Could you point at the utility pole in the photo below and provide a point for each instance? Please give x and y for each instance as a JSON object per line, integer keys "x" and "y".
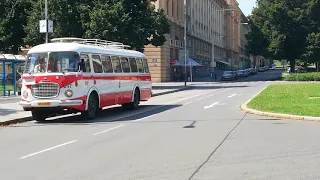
{"x": 185, "y": 42}
{"x": 46, "y": 18}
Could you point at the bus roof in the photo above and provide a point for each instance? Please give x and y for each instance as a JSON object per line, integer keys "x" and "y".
{"x": 76, "y": 47}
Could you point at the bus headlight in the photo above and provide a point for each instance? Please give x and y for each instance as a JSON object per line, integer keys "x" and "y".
{"x": 68, "y": 93}
{"x": 25, "y": 94}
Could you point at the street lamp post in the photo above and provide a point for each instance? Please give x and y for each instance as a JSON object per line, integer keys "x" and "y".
{"x": 185, "y": 42}
{"x": 46, "y": 18}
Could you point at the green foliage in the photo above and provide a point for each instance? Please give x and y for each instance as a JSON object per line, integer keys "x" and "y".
{"x": 312, "y": 53}
{"x": 13, "y": 15}
{"x": 315, "y": 76}
{"x": 134, "y": 22}
{"x": 290, "y": 27}
{"x": 65, "y": 16}
{"x": 256, "y": 42}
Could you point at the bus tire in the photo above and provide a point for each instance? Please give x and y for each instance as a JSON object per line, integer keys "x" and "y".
{"x": 93, "y": 107}
{"x": 38, "y": 115}
{"x": 136, "y": 101}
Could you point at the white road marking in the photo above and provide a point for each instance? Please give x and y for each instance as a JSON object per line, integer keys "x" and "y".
{"x": 209, "y": 95}
{"x": 232, "y": 95}
{"x": 210, "y": 106}
{"x": 49, "y": 149}
{"x": 160, "y": 106}
{"x": 144, "y": 118}
{"x": 188, "y": 103}
{"x": 107, "y": 130}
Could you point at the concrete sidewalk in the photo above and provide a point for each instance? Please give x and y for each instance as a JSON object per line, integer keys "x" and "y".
{"x": 11, "y": 112}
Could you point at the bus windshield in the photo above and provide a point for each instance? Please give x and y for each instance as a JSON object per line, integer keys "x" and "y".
{"x": 36, "y": 63}
{"x": 63, "y": 62}
{"x": 55, "y": 62}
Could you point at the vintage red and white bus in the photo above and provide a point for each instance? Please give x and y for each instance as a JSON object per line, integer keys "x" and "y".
{"x": 72, "y": 75}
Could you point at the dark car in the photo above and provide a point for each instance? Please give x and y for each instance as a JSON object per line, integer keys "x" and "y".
{"x": 253, "y": 71}
{"x": 247, "y": 72}
{"x": 262, "y": 69}
{"x": 241, "y": 73}
{"x": 229, "y": 75}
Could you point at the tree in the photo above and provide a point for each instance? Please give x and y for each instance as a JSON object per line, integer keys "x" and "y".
{"x": 312, "y": 53}
{"x": 257, "y": 43}
{"x": 282, "y": 23}
{"x": 132, "y": 22}
{"x": 13, "y": 15}
{"x": 66, "y": 19}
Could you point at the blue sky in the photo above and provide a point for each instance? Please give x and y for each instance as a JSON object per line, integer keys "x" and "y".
{"x": 246, "y": 6}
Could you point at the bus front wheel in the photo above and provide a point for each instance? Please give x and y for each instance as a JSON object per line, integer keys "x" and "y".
{"x": 93, "y": 107}
{"x": 38, "y": 115}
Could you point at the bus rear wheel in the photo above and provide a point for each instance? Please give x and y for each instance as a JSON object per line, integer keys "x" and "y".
{"x": 135, "y": 104}
{"x": 38, "y": 115}
{"x": 93, "y": 107}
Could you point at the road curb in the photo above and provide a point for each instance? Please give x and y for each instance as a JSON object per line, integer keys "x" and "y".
{"x": 245, "y": 109}
{"x": 173, "y": 91}
{"x": 15, "y": 121}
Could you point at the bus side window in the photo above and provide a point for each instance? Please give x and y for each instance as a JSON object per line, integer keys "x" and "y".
{"x": 125, "y": 64}
{"x": 145, "y": 65}
{"x": 85, "y": 63}
{"x": 133, "y": 65}
{"x": 116, "y": 64}
{"x": 97, "y": 65}
{"x": 107, "y": 64}
{"x": 139, "y": 65}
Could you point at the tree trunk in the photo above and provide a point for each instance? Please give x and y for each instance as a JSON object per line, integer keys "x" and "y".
{"x": 293, "y": 66}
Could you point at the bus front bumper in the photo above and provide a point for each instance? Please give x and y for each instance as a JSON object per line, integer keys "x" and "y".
{"x": 50, "y": 103}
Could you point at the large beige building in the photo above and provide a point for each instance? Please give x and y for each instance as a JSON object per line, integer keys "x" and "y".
{"x": 159, "y": 57}
{"x": 215, "y": 37}
{"x": 205, "y": 26}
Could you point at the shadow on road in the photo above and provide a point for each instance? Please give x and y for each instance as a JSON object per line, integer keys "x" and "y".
{"x": 115, "y": 114}
{"x": 5, "y": 112}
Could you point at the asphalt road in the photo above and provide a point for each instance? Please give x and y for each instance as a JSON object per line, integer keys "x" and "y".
{"x": 194, "y": 134}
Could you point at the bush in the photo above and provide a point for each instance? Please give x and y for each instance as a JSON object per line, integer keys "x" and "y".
{"x": 315, "y": 76}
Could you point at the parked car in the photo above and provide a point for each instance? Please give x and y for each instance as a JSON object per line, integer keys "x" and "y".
{"x": 298, "y": 69}
{"x": 253, "y": 71}
{"x": 229, "y": 75}
{"x": 262, "y": 69}
{"x": 247, "y": 72}
{"x": 241, "y": 73}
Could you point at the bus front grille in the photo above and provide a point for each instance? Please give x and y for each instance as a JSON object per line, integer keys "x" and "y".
{"x": 45, "y": 90}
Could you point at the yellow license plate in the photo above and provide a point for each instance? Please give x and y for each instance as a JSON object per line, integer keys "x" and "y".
{"x": 44, "y": 104}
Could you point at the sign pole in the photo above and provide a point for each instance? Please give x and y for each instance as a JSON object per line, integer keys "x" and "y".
{"x": 46, "y": 18}
{"x": 185, "y": 42}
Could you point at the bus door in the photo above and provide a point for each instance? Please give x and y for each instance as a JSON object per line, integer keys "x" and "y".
{"x": 116, "y": 81}
{"x": 85, "y": 67}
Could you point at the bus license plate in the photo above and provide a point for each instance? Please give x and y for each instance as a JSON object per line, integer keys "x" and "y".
{"x": 44, "y": 104}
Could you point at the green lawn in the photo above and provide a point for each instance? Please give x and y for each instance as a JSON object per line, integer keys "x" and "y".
{"x": 9, "y": 87}
{"x": 298, "y": 99}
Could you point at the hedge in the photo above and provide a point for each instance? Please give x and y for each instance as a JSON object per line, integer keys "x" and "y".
{"x": 315, "y": 76}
